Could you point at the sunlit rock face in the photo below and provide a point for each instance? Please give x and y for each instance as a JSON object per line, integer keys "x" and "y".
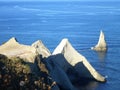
{"x": 41, "y": 49}
{"x": 13, "y": 49}
{"x": 65, "y": 59}
{"x": 72, "y": 59}
{"x": 101, "y": 45}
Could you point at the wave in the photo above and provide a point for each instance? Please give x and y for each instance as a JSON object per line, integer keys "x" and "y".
{"x": 101, "y": 10}
{"x": 9, "y": 19}
{"x": 54, "y": 12}
{"x": 98, "y": 7}
{"x": 24, "y": 8}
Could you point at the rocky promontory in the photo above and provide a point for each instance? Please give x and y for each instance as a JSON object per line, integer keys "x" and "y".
{"x": 34, "y": 67}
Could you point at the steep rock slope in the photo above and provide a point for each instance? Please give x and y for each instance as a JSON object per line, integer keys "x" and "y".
{"x": 73, "y": 59}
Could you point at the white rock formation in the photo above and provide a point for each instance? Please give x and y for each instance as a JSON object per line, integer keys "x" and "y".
{"x": 101, "y": 45}
{"x": 41, "y": 48}
{"x": 13, "y": 49}
{"x": 75, "y": 60}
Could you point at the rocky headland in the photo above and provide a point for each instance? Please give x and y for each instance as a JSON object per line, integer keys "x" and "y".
{"x": 26, "y": 67}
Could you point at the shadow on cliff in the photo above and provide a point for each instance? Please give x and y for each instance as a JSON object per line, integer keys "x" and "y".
{"x": 82, "y": 79}
{"x": 38, "y": 65}
{"x": 15, "y": 74}
{"x": 80, "y": 76}
{"x": 74, "y": 76}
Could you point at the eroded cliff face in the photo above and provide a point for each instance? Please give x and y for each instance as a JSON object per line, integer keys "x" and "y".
{"x": 75, "y": 60}
{"x": 15, "y": 74}
{"x": 28, "y": 62}
{"x": 65, "y": 59}
{"x": 101, "y": 45}
{"x": 58, "y": 74}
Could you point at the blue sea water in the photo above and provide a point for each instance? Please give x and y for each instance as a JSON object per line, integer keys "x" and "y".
{"x": 80, "y": 22}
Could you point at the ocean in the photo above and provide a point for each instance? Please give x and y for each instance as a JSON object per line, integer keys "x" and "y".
{"x": 80, "y": 22}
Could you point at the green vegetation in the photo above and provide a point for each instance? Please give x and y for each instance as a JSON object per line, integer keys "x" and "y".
{"x": 15, "y": 73}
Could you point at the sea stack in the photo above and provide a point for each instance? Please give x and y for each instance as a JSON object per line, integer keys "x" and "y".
{"x": 76, "y": 61}
{"x": 101, "y": 45}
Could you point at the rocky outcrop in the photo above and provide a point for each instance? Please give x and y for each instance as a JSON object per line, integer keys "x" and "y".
{"x": 64, "y": 60}
{"x": 58, "y": 74}
{"x": 41, "y": 49}
{"x": 33, "y": 56}
{"x": 101, "y": 45}
{"x": 13, "y": 49}
{"x": 15, "y": 74}
{"x": 73, "y": 59}
{"x": 30, "y": 54}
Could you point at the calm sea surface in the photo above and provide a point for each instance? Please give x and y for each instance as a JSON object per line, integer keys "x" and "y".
{"x": 80, "y": 22}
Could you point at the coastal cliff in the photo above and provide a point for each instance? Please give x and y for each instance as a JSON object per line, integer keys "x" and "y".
{"x": 75, "y": 60}
{"x": 13, "y": 49}
{"x": 52, "y": 71}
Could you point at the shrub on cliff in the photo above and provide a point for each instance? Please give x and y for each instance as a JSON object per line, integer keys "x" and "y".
{"x": 16, "y": 74}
